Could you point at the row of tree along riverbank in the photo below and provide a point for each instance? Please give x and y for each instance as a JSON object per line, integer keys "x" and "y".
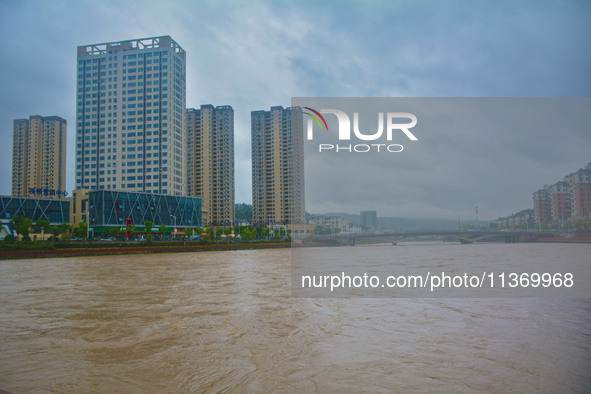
{"x": 10, "y": 250}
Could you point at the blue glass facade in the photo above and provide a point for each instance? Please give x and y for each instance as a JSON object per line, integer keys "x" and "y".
{"x": 55, "y": 211}
{"x": 111, "y": 208}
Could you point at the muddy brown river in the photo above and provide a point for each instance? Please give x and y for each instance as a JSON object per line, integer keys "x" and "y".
{"x": 226, "y": 321}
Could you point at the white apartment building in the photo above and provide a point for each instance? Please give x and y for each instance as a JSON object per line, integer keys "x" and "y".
{"x": 130, "y": 116}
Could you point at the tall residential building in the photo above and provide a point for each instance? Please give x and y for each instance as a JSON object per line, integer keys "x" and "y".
{"x": 130, "y": 116}
{"x": 565, "y": 201}
{"x": 277, "y": 166}
{"x": 560, "y": 202}
{"x": 369, "y": 219}
{"x": 39, "y": 157}
{"x": 210, "y": 161}
{"x": 542, "y": 206}
{"x": 580, "y": 182}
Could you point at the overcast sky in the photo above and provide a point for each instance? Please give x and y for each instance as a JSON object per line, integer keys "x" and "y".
{"x": 486, "y": 152}
{"x": 253, "y": 55}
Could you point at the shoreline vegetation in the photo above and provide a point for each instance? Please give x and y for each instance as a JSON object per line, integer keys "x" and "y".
{"x": 26, "y": 250}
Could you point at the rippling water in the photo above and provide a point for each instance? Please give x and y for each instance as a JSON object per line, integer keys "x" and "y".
{"x": 226, "y": 321}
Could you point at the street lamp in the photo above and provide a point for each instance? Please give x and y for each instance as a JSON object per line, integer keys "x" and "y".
{"x": 173, "y": 224}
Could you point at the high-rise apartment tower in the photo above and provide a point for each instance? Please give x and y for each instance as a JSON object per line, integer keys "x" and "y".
{"x": 130, "y": 116}
{"x": 39, "y": 157}
{"x": 277, "y": 167}
{"x": 210, "y": 161}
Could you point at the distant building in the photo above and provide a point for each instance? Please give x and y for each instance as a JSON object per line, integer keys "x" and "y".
{"x": 524, "y": 218}
{"x": 560, "y": 202}
{"x": 542, "y": 209}
{"x": 341, "y": 224}
{"x": 39, "y": 157}
{"x": 210, "y": 161}
{"x": 565, "y": 201}
{"x": 580, "y": 185}
{"x": 278, "y": 166}
{"x": 369, "y": 219}
{"x": 130, "y": 107}
{"x": 300, "y": 232}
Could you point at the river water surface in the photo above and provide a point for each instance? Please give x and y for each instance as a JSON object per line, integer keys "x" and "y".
{"x": 226, "y": 321}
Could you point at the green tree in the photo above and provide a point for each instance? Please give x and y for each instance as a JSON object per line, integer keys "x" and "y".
{"x": 247, "y": 234}
{"x": 162, "y": 230}
{"x": 262, "y": 232}
{"x": 82, "y": 230}
{"x": 243, "y": 211}
{"x": 43, "y": 226}
{"x": 278, "y": 234}
{"x": 149, "y": 226}
{"x": 66, "y": 231}
{"x": 199, "y": 231}
{"x": 188, "y": 232}
{"x": 25, "y": 229}
{"x": 110, "y": 232}
{"x": 55, "y": 231}
{"x": 15, "y": 224}
{"x": 131, "y": 230}
{"x": 9, "y": 238}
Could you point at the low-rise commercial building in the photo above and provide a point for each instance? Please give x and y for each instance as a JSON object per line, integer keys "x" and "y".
{"x": 111, "y": 208}
{"x": 54, "y": 211}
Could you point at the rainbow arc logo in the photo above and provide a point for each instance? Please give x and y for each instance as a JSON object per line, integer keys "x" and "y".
{"x": 388, "y": 123}
{"x": 316, "y": 118}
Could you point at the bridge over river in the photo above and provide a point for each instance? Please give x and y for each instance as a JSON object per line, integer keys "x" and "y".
{"x": 462, "y": 236}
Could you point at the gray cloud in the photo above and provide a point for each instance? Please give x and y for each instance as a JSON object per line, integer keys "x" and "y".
{"x": 487, "y": 152}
